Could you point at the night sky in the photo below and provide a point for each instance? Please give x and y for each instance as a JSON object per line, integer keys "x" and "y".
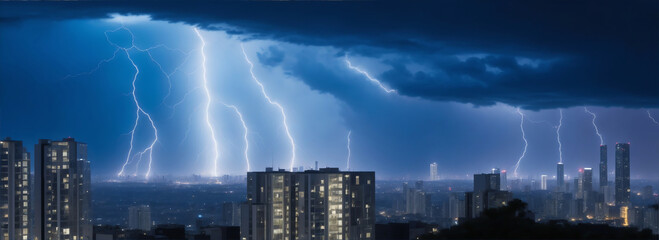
{"x": 452, "y": 75}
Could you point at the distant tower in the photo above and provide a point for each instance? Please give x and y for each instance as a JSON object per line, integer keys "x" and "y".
{"x": 433, "y": 172}
{"x": 560, "y": 177}
{"x": 579, "y": 184}
{"x": 504, "y": 180}
{"x": 604, "y": 179}
{"x": 623, "y": 190}
{"x": 543, "y": 182}
{"x": 587, "y": 180}
{"x": 604, "y": 174}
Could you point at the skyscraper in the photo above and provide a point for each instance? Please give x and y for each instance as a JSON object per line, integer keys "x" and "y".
{"x": 139, "y": 217}
{"x": 433, "y": 172}
{"x": 605, "y": 189}
{"x": 586, "y": 190}
{"x": 587, "y": 180}
{"x": 604, "y": 176}
{"x": 62, "y": 191}
{"x": 504, "y": 180}
{"x": 322, "y": 204}
{"x": 15, "y": 195}
{"x": 560, "y": 177}
{"x": 623, "y": 190}
{"x": 543, "y": 182}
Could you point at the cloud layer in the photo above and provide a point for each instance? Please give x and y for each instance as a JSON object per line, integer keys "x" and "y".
{"x": 537, "y": 55}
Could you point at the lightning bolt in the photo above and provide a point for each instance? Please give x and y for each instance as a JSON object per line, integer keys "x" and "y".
{"x": 245, "y": 131}
{"x": 185, "y": 96}
{"x": 130, "y": 157}
{"x": 139, "y": 110}
{"x": 349, "y": 152}
{"x": 652, "y": 118}
{"x": 595, "y": 125}
{"x": 526, "y": 143}
{"x": 368, "y": 76}
{"x": 276, "y": 104}
{"x": 216, "y": 152}
{"x": 98, "y": 66}
{"x": 558, "y": 136}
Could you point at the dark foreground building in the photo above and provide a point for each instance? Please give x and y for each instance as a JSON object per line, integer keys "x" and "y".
{"x": 62, "y": 191}
{"x": 314, "y": 204}
{"x": 15, "y": 196}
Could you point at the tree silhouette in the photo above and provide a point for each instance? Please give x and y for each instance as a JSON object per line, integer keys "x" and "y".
{"x": 514, "y": 221}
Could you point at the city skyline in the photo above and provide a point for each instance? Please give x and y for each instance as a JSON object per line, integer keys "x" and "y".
{"x": 330, "y": 120}
{"x": 190, "y": 68}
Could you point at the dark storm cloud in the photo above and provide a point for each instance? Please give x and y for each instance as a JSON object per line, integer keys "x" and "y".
{"x": 557, "y": 83}
{"x": 271, "y": 56}
{"x": 577, "y": 52}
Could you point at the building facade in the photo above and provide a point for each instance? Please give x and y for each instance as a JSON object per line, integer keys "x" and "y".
{"x": 231, "y": 213}
{"x": 623, "y": 190}
{"x": 433, "y": 172}
{"x": 604, "y": 187}
{"x": 15, "y": 195}
{"x": 417, "y": 201}
{"x": 560, "y": 177}
{"x": 504, "y": 180}
{"x": 486, "y": 182}
{"x": 62, "y": 191}
{"x": 604, "y": 175}
{"x": 139, "y": 217}
{"x": 322, "y": 204}
{"x": 486, "y": 195}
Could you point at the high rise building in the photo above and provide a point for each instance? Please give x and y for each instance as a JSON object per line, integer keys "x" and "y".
{"x": 560, "y": 177}
{"x": 543, "y": 182}
{"x": 604, "y": 176}
{"x": 486, "y": 181}
{"x": 322, "y": 204}
{"x": 487, "y": 194}
{"x": 433, "y": 172}
{"x": 504, "y": 180}
{"x": 623, "y": 190}
{"x": 62, "y": 208}
{"x": 605, "y": 189}
{"x": 139, "y": 217}
{"x": 231, "y": 213}
{"x": 416, "y": 200}
{"x": 586, "y": 190}
{"x": 456, "y": 204}
{"x": 15, "y": 195}
{"x": 587, "y": 180}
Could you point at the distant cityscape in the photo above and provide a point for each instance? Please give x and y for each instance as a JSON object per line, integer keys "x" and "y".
{"x": 57, "y": 200}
